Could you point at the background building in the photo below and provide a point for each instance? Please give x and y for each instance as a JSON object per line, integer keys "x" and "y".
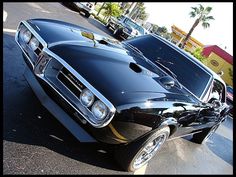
{"x": 178, "y": 36}
{"x": 219, "y": 60}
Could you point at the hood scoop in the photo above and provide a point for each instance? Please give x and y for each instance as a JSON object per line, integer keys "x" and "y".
{"x": 136, "y": 68}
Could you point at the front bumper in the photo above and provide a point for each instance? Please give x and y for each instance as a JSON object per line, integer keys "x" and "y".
{"x": 56, "y": 110}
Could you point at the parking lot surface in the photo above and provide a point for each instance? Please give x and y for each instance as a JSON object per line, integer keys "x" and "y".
{"x": 34, "y": 142}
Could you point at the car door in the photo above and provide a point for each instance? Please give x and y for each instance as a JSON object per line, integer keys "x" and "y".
{"x": 206, "y": 114}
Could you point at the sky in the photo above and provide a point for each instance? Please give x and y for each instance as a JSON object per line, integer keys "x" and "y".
{"x": 219, "y": 33}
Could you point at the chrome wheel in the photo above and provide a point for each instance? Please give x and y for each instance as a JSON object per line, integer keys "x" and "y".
{"x": 115, "y": 31}
{"x": 148, "y": 151}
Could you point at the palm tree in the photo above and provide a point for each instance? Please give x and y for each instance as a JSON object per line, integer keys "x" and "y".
{"x": 112, "y": 9}
{"x": 102, "y": 7}
{"x": 201, "y": 14}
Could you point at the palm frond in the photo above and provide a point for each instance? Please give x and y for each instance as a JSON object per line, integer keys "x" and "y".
{"x": 208, "y": 9}
{"x": 194, "y": 8}
{"x": 192, "y": 14}
{"x": 210, "y": 18}
{"x": 201, "y": 8}
{"x": 205, "y": 25}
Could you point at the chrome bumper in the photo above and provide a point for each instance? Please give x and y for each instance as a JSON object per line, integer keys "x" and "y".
{"x": 56, "y": 110}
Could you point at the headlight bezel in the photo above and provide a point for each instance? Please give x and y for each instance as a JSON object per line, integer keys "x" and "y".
{"x": 91, "y": 102}
{"x": 94, "y": 113}
{"x": 34, "y": 39}
{"x": 23, "y": 36}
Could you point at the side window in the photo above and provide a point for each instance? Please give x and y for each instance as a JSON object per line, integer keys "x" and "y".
{"x": 120, "y": 18}
{"x": 217, "y": 91}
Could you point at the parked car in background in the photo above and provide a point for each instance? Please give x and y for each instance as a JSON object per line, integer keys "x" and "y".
{"x": 125, "y": 27}
{"x": 229, "y": 99}
{"x": 85, "y": 7}
{"x": 133, "y": 95}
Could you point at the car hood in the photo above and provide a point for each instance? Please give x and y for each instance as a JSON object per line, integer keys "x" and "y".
{"x": 119, "y": 73}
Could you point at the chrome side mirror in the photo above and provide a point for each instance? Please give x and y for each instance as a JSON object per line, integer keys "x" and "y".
{"x": 216, "y": 104}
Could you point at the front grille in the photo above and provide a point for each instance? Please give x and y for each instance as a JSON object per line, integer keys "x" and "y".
{"x": 61, "y": 102}
{"x": 39, "y": 49}
{"x": 72, "y": 83}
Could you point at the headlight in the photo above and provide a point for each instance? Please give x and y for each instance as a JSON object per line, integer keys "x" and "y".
{"x": 126, "y": 30}
{"x": 26, "y": 35}
{"x": 34, "y": 43}
{"x": 99, "y": 110}
{"x": 86, "y": 97}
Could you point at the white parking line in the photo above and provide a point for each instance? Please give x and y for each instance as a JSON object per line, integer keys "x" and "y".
{"x": 141, "y": 171}
{"x": 9, "y": 30}
{"x": 4, "y": 15}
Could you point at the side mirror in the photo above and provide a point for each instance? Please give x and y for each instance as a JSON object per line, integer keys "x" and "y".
{"x": 216, "y": 103}
{"x": 167, "y": 81}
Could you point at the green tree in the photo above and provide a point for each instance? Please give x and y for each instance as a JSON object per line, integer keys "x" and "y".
{"x": 102, "y": 7}
{"x": 139, "y": 12}
{"x": 202, "y": 17}
{"x": 198, "y": 54}
{"x": 112, "y": 9}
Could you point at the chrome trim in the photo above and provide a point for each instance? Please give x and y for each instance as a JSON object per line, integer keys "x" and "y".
{"x": 90, "y": 87}
{"x": 110, "y": 106}
{"x": 69, "y": 80}
{"x": 44, "y": 44}
{"x": 38, "y": 37}
{"x": 16, "y": 36}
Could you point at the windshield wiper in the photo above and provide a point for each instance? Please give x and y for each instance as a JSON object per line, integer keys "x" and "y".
{"x": 166, "y": 69}
{"x": 169, "y": 72}
{"x": 132, "y": 47}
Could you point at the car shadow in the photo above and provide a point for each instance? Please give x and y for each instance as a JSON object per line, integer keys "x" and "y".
{"x": 26, "y": 121}
{"x": 220, "y": 145}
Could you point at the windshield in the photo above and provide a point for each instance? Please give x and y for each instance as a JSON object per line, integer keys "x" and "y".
{"x": 188, "y": 73}
{"x": 134, "y": 25}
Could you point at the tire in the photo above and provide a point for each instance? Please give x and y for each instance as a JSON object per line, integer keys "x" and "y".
{"x": 108, "y": 25}
{"x": 116, "y": 32}
{"x": 87, "y": 14}
{"x": 202, "y": 137}
{"x": 134, "y": 155}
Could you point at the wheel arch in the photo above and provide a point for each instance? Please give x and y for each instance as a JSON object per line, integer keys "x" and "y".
{"x": 170, "y": 122}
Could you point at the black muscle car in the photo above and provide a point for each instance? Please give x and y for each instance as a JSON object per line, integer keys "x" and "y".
{"x": 133, "y": 95}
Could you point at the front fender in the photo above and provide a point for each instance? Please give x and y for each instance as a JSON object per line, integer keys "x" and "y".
{"x": 171, "y": 122}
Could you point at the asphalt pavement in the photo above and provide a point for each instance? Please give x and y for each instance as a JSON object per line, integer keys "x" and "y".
{"x": 34, "y": 142}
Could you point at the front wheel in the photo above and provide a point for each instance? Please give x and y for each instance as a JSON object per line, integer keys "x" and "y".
{"x": 108, "y": 25}
{"x": 116, "y": 32}
{"x": 203, "y": 136}
{"x": 136, "y": 154}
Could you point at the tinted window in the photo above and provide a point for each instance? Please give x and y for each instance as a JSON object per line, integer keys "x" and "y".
{"x": 134, "y": 25}
{"x": 121, "y": 17}
{"x": 188, "y": 73}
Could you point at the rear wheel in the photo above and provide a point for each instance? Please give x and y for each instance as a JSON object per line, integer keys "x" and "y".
{"x": 87, "y": 14}
{"x": 202, "y": 137}
{"x": 136, "y": 154}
